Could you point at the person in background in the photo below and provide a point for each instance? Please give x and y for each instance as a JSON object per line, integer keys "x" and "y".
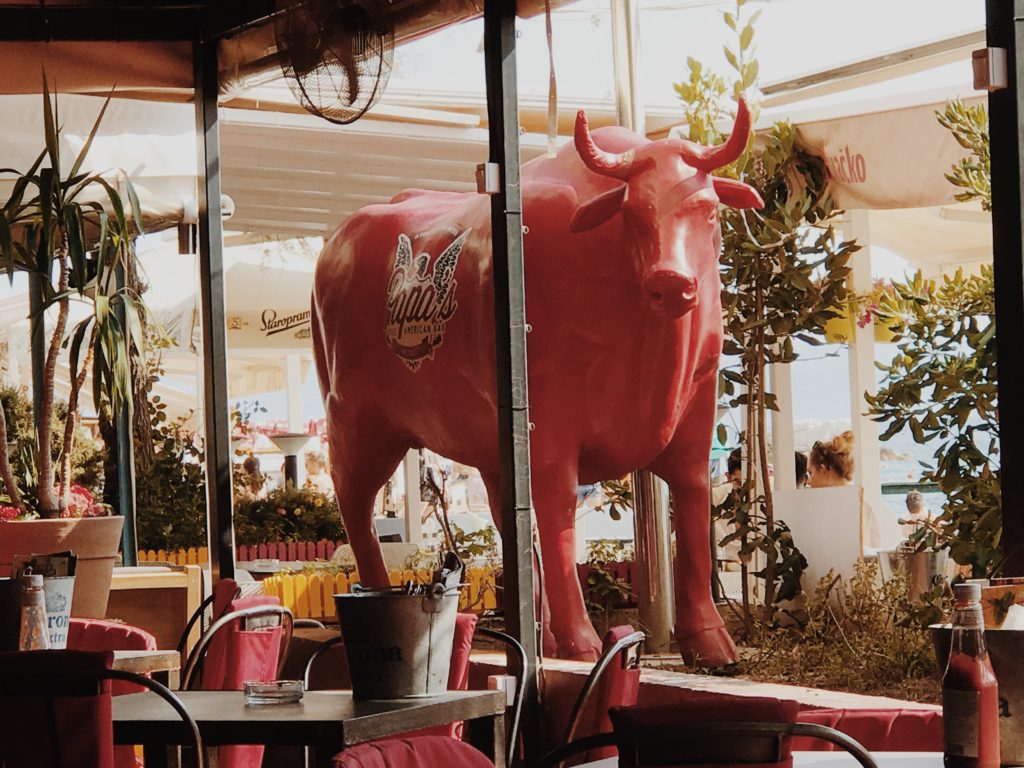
{"x": 831, "y": 463}
{"x": 316, "y": 473}
{"x": 253, "y": 482}
{"x": 917, "y": 513}
{"x": 800, "y": 460}
{"x": 734, "y": 468}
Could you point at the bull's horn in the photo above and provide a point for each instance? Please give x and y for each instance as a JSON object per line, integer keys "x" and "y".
{"x": 708, "y": 159}
{"x": 605, "y": 163}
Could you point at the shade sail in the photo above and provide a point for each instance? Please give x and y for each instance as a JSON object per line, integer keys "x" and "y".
{"x": 154, "y": 145}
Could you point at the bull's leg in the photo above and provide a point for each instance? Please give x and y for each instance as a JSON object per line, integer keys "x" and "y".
{"x": 494, "y": 501}
{"x": 362, "y": 459}
{"x": 700, "y": 632}
{"x": 554, "y": 494}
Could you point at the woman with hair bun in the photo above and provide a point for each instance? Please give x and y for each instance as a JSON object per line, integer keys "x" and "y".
{"x": 831, "y": 463}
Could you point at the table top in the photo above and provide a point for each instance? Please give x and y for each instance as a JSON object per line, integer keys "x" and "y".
{"x": 322, "y": 716}
{"x": 839, "y": 759}
{"x": 147, "y": 662}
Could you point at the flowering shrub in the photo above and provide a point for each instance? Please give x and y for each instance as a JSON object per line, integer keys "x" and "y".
{"x": 288, "y": 514}
{"x": 8, "y": 513}
{"x": 83, "y": 504}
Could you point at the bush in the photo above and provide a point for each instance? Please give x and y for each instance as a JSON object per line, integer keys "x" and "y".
{"x": 170, "y": 498}
{"x": 288, "y": 514}
{"x": 866, "y": 638}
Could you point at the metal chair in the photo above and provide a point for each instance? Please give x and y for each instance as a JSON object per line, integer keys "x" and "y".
{"x": 706, "y": 744}
{"x": 35, "y": 675}
{"x": 511, "y": 646}
{"x": 193, "y": 666}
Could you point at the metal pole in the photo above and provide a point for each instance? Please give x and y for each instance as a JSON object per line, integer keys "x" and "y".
{"x": 651, "y": 524}
{"x": 510, "y": 341}
{"x": 629, "y": 107}
{"x": 1006, "y": 30}
{"x": 653, "y": 571}
{"x": 413, "y": 502}
{"x": 126, "y": 456}
{"x": 216, "y": 421}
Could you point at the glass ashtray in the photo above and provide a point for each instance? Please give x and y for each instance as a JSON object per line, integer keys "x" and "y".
{"x": 273, "y": 692}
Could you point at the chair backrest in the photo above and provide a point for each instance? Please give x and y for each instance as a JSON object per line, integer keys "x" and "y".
{"x": 613, "y": 682}
{"x": 886, "y": 730}
{"x": 249, "y": 642}
{"x": 708, "y": 733}
{"x": 55, "y": 709}
{"x": 106, "y": 635}
{"x": 428, "y": 751}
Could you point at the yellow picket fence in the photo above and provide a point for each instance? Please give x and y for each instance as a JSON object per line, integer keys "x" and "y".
{"x": 311, "y": 595}
{"x": 190, "y": 556}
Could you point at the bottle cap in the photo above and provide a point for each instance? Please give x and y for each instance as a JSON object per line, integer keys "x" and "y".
{"x": 967, "y": 592}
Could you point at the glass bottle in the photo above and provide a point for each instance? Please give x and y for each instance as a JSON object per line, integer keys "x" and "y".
{"x": 970, "y": 697}
{"x": 33, "y": 634}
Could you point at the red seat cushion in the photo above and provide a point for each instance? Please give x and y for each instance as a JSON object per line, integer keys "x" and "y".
{"x": 79, "y": 734}
{"x": 428, "y": 751}
{"x": 885, "y": 730}
{"x": 458, "y": 672}
{"x": 236, "y": 656}
{"x": 618, "y": 687}
{"x": 104, "y": 635}
{"x": 631, "y": 724}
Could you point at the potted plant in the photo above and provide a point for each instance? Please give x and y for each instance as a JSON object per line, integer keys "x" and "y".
{"x": 69, "y": 230}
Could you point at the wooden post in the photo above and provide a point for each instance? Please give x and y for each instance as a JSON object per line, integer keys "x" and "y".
{"x": 216, "y": 420}
{"x": 510, "y": 337}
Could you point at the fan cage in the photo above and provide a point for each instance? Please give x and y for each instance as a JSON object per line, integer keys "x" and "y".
{"x": 337, "y": 55}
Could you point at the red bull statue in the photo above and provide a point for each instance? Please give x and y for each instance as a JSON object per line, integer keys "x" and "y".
{"x": 621, "y": 242}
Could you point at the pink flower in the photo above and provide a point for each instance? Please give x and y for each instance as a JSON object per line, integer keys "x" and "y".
{"x": 8, "y": 513}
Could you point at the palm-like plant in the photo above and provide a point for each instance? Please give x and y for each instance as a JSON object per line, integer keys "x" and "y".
{"x": 71, "y": 233}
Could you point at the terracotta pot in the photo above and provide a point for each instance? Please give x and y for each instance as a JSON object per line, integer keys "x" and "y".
{"x": 95, "y": 540}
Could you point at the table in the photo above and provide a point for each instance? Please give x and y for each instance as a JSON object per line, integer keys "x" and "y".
{"x": 833, "y": 760}
{"x": 327, "y": 721}
{"x": 164, "y": 666}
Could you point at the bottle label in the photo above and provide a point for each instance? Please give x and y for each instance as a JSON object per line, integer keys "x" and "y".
{"x": 960, "y": 722}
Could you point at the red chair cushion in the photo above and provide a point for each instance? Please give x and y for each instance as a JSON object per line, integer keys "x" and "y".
{"x": 412, "y": 752}
{"x": 458, "y": 672}
{"x": 80, "y": 735}
{"x": 103, "y": 635}
{"x": 618, "y": 687}
{"x": 633, "y": 722}
{"x": 884, "y": 730}
{"x": 236, "y": 656}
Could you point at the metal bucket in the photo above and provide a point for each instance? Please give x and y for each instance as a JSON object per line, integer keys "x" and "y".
{"x": 397, "y": 645}
{"x": 924, "y": 569}
{"x": 1006, "y": 649}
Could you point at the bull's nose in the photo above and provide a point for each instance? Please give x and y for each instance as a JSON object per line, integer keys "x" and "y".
{"x": 671, "y": 293}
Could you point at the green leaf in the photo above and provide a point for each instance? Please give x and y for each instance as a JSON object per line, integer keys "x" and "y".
{"x": 92, "y": 134}
{"x": 50, "y": 129}
{"x": 746, "y": 36}
{"x": 731, "y": 58}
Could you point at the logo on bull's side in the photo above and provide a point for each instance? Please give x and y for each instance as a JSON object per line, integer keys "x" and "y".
{"x": 421, "y": 301}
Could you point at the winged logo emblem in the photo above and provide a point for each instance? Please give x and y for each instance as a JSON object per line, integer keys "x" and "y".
{"x": 421, "y": 301}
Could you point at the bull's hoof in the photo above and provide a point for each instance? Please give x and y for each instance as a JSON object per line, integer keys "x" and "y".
{"x": 712, "y": 647}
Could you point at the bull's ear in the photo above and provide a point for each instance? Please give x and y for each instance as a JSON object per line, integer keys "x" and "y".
{"x": 597, "y": 210}
{"x": 736, "y": 194}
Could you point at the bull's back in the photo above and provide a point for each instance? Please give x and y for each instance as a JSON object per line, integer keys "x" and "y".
{"x": 407, "y": 341}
